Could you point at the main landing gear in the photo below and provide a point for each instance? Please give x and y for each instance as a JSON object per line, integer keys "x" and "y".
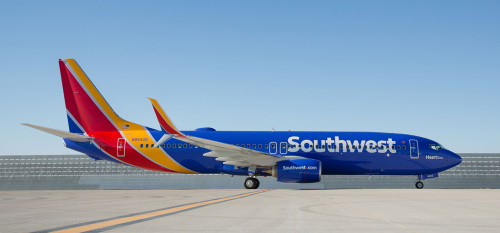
{"x": 419, "y": 184}
{"x": 251, "y": 183}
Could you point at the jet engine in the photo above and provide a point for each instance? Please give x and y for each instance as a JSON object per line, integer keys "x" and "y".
{"x": 298, "y": 171}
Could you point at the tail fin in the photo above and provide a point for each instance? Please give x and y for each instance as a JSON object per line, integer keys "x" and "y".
{"x": 87, "y": 109}
{"x": 74, "y": 121}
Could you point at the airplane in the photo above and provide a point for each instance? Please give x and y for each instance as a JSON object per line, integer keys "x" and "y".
{"x": 289, "y": 156}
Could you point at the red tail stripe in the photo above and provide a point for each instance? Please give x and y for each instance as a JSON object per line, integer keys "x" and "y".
{"x": 69, "y": 99}
{"x": 96, "y": 124}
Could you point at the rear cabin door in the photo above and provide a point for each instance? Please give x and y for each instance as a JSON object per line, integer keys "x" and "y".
{"x": 120, "y": 147}
{"x": 414, "y": 149}
{"x": 273, "y": 148}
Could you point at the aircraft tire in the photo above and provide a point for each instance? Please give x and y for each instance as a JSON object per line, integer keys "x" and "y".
{"x": 251, "y": 183}
{"x": 419, "y": 185}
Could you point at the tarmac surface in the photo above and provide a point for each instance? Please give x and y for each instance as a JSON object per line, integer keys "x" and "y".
{"x": 239, "y": 210}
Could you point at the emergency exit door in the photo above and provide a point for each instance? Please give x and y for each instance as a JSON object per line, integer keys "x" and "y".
{"x": 120, "y": 147}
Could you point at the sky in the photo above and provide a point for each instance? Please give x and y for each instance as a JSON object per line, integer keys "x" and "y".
{"x": 426, "y": 68}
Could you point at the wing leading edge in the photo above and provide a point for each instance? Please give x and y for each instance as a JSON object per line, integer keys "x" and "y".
{"x": 228, "y": 153}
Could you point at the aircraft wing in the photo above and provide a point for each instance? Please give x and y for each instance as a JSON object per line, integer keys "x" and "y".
{"x": 230, "y": 154}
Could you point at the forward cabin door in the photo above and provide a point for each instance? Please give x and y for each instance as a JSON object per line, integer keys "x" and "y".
{"x": 414, "y": 149}
{"x": 120, "y": 147}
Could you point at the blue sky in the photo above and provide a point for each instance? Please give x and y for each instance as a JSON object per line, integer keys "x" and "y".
{"x": 428, "y": 68}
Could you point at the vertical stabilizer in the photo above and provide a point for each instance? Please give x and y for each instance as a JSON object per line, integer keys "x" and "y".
{"x": 87, "y": 109}
{"x": 74, "y": 121}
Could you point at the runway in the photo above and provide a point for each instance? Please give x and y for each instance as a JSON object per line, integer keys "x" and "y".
{"x": 239, "y": 210}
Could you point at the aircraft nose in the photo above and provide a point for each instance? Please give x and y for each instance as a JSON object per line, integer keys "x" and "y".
{"x": 454, "y": 159}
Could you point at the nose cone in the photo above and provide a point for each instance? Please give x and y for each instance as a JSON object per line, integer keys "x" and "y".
{"x": 454, "y": 159}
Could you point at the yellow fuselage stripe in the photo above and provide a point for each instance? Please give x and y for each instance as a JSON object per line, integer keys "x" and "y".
{"x": 123, "y": 220}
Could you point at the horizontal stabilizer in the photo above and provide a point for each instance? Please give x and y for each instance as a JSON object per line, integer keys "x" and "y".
{"x": 63, "y": 134}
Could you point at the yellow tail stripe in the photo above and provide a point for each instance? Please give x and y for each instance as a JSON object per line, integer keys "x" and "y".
{"x": 133, "y": 131}
{"x": 94, "y": 92}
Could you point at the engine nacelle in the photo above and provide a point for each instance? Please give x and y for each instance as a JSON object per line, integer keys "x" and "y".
{"x": 298, "y": 171}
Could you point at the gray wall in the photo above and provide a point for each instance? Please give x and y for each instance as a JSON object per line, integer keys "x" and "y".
{"x": 82, "y": 172}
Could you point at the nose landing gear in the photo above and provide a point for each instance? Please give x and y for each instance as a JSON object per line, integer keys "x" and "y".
{"x": 251, "y": 183}
{"x": 419, "y": 185}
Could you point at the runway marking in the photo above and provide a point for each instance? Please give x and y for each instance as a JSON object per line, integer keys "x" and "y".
{"x": 383, "y": 219}
{"x": 107, "y": 224}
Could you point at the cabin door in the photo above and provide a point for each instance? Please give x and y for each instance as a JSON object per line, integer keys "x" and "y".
{"x": 283, "y": 148}
{"x": 273, "y": 148}
{"x": 120, "y": 147}
{"x": 414, "y": 149}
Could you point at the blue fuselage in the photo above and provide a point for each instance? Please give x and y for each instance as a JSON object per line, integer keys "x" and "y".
{"x": 346, "y": 153}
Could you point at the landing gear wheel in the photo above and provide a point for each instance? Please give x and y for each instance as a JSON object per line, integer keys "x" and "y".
{"x": 419, "y": 185}
{"x": 251, "y": 183}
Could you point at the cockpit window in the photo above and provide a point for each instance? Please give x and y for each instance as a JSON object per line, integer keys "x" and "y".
{"x": 436, "y": 147}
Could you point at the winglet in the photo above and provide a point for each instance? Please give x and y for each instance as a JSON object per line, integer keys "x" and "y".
{"x": 165, "y": 123}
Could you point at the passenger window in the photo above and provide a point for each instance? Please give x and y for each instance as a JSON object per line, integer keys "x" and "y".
{"x": 141, "y": 145}
{"x": 322, "y": 146}
{"x": 273, "y": 146}
{"x": 237, "y": 144}
{"x": 243, "y": 145}
{"x": 152, "y": 145}
{"x": 248, "y": 145}
{"x": 267, "y": 146}
{"x": 180, "y": 146}
{"x": 399, "y": 147}
{"x": 168, "y": 145}
{"x": 190, "y": 145}
{"x": 163, "y": 145}
{"x": 174, "y": 145}
{"x": 329, "y": 146}
{"x": 254, "y": 146}
{"x": 283, "y": 146}
{"x": 404, "y": 147}
{"x": 147, "y": 145}
{"x": 260, "y": 146}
